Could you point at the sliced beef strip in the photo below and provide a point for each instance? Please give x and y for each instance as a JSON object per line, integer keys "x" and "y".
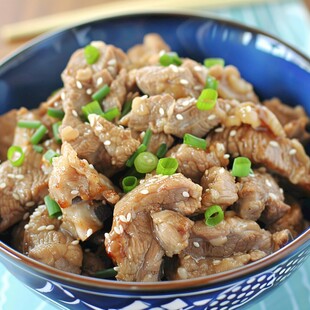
{"x": 188, "y": 267}
{"x": 193, "y": 162}
{"x": 231, "y": 84}
{"x": 172, "y": 230}
{"x": 7, "y": 124}
{"x": 293, "y": 119}
{"x": 284, "y": 156}
{"x": 260, "y": 197}
{"x": 147, "y": 53}
{"x": 219, "y": 188}
{"x": 131, "y": 242}
{"x": 72, "y": 177}
{"x": 47, "y": 243}
{"x": 81, "y": 80}
{"x": 157, "y": 139}
{"x": 232, "y": 235}
{"x": 21, "y": 188}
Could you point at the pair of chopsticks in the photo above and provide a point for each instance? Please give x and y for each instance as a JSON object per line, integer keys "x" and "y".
{"x": 30, "y": 28}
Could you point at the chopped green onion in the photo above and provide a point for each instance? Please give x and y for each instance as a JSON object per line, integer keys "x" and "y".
{"x": 111, "y": 114}
{"x": 91, "y": 54}
{"x": 207, "y": 99}
{"x": 56, "y": 131}
{"x": 167, "y": 166}
{"x": 49, "y": 155}
{"x": 52, "y": 207}
{"x": 101, "y": 93}
{"x": 132, "y": 158}
{"x": 38, "y": 135}
{"x": 129, "y": 183}
{"x": 162, "y": 150}
{"x": 92, "y": 108}
{"x": 56, "y": 113}
{"x": 126, "y": 108}
{"x": 38, "y": 148}
{"x": 210, "y": 62}
{"x": 16, "y": 155}
{"x": 241, "y": 167}
{"x": 28, "y": 124}
{"x": 194, "y": 141}
{"x": 211, "y": 82}
{"x": 106, "y": 273}
{"x": 147, "y": 137}
{"x": 145, "y": 162}
{"x": 171, "y": 58}
{"x": 214, "y": 215}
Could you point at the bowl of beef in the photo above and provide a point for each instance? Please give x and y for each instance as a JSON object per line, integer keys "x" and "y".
{"x": 154, "y": 160}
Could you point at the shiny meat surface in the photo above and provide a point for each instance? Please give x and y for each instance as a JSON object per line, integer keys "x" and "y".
{"x": 47, "y": 243}
{"x": 7, "y": 125}
{"x": 72, "y": 177}
{"x": 219, "y": 188}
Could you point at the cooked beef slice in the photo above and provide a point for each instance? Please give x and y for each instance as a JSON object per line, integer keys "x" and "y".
{"x": 7, "y": 124}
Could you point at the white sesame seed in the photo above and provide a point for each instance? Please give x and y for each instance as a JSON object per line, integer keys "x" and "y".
{"x": 274, "y": 143}
{"x": 26, "y": 226}
{"x": 219, "y": 129}
{"x": 116, "y": 268}
{"x": 248, "y": 108}
{"x": 121, "y": 229}
{"x": 233, "y": 133}
{"x": 15, "y": 196}
{"x": 19, "y": 176}
{"x": 123, "y": 218}
{"x": 79, "y": 85}
{"x": 184, "y": 82}
{"x": 3, "y": 185}
{"x": 50, "y": 227}
{"x": 197, "y": 68}
{"x": 211, "y": 117}
{"x": 11, "y": 175}
{"x": 216, "y": 262}
{"x": 220, "y": 147}
{"x": 41, "y": 228}
{"x": 144, "y": 97}
{"x": 226, "y": 156}
{"x": 268, "y": 183}
{"x": 75, "y": 242}
{"x": 128, "y": 217}
{"x": 74, "y": 192}
{"x": 59, "y": 217}
{"x": 91, "y": 166}
{"x": 42, "y": 207}
{"x": 161, "y": 111}
{"x": 63, "y": 96}
{"x": 281, "y": 190}
{"x": 144, "y": 192}
{"x": 272, "y": 196}
{"x": 36, "y": 213}
{"x": 99, "y": 81}
{"x": 117, "y": 230}
{"x": 26, "y": 215}
{"x": 30, "y": 204}
{"x": 198, "y": 87}
{"x": 112, "y": 62}
{"x": 162, "y": 52}
{"x": 185, "y": 194}
{"x": 89, "y": 91}
{"x": 174, "y": 68}
{"x": 89, "y": 232}
{"x": 75, "y": 113}
{"x": 292, "y": 151}
{"x": 106, "y": 236}
{"x": 99, "y": 127}
{"x": 179, "y": 117}
{"x": 221, "y": 170}
{"x": 196, "y": 244}
{"x": 107, "y": 142}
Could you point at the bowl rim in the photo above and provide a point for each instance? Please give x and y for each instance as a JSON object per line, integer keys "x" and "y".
{"x": 164, "y": 286}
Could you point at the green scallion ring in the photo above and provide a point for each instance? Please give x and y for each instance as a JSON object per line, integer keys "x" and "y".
{"x": 126, "y": 108}
{"x": 131, "y": 159}
{"x": 145, "y": 162}
{"x": 38, "y": 135}
{"x": 162, "y": 150}
{"x": 241, "y": 167}
{"x": 194, "y": 141}
{"x": 38, "y": 148}
{"x": 49, "y": 155}
{"x": 171, "y": 58}
{"x": 111, "y": 114}
{"x": 92, "y": 108}
{"x": 147, "y": 137}
{"x": 91, "y": 54}
{"x": 16, "y": 155}
{"x": 214, "y": 215}
{"x": 56, "y": 113}
{"x": 167, "y": 166}
{"x": 129, "y": 183}
{"x": 210, "y": 62}
{"x": 211, "y": 82}
{"x": 52, "y": 207}
{"x": 56, "y": 131}
{"x": 106, "y": 273}
{"x": 29, "y": 124}
{"x": 207, "y": 99}
{"x": 101, "y": 93}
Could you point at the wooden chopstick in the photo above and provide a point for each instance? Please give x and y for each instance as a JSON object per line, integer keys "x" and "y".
{"x": 33, "y": 27}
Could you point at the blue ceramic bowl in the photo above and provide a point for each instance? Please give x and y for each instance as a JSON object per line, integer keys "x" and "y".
{"x": 273, "y": 67}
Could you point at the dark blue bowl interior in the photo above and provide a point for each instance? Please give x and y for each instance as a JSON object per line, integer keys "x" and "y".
{"x": 271, "y": 66}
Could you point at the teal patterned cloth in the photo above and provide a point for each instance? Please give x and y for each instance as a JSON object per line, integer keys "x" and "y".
{"x": 290, "y": 21}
